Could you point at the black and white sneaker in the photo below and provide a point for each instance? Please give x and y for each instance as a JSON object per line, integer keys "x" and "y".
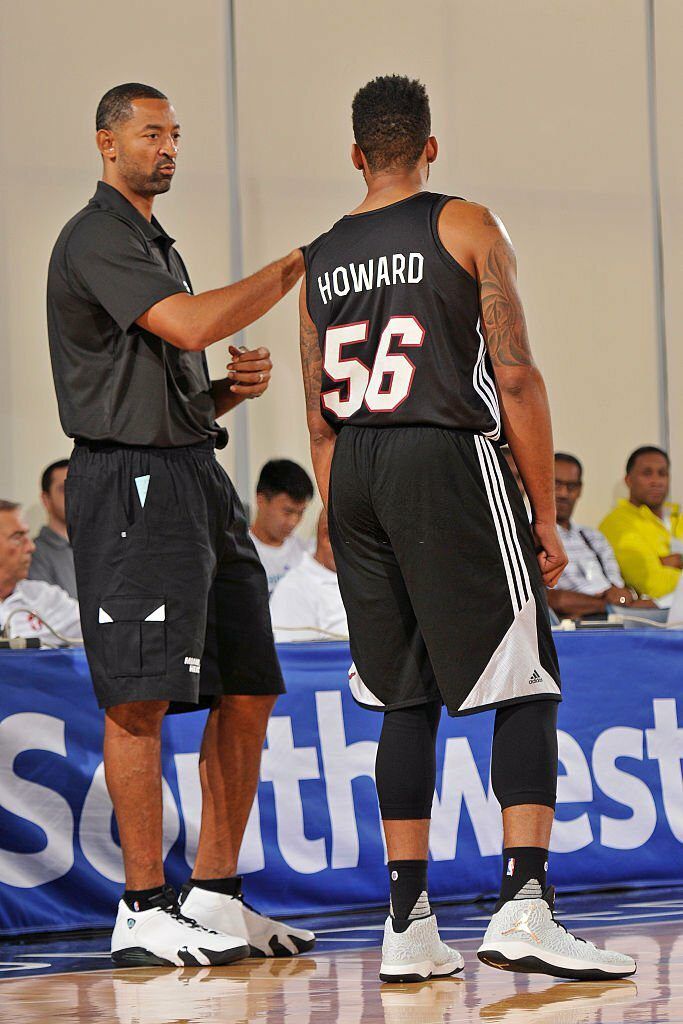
{"x": 163, "y": 937}
{"x": 264, "y": 936}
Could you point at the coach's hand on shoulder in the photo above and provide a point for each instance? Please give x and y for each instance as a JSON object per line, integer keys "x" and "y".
{"x": 249, "y": 371}
{"x": 550, "y": 552}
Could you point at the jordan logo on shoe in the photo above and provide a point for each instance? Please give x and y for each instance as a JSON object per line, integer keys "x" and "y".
{"x": 522, "y": 926}
{"x": 536, "y": 678}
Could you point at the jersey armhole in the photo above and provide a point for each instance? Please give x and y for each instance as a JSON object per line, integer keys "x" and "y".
{"x": 450, "y": 261}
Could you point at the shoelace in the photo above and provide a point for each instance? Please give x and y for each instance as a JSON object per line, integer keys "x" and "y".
{"x": 189, "y": 922}
{"x": 565, "y": 929}
{"x": 240, "y": 896}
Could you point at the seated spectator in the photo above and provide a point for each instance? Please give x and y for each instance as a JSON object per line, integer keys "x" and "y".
{"x": 46, "y": 603}
{"x": 592, "y": 579}
{"x": 283, "y": 492}
{"x": 308, "y": 596}
{"x": 53, "y": 560}
{"x": 645, "y": 530}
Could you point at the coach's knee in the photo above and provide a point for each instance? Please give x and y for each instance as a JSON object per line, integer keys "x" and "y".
{"x": 139, "y": 718}
{"x": 250, "y": 711}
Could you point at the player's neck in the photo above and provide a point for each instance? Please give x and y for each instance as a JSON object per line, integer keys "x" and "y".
{"x": 264, "y": 535}
{"x": 385, "y": 188}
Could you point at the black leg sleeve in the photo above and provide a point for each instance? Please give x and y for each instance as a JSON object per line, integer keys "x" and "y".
{"x": 524, "y": 754}
{"x": 405, "y": 769}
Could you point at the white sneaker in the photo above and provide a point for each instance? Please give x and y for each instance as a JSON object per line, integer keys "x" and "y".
{"x": 524, "y": 936}
{"x": 264, "y": 936}
{"x": 163, "y": 937}
{"x": 417, "y": 953}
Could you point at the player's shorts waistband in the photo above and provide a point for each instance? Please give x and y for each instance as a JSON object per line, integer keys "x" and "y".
{"x": 206, "y": 447}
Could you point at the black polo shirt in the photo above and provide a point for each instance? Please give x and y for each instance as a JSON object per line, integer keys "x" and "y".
{"x": 115, "y": 381}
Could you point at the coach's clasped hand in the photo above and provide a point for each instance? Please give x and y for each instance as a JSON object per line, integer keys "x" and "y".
{"x": 250, "y": 370}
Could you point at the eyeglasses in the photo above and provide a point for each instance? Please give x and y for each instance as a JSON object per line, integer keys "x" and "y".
{"x": 572, "y": 486}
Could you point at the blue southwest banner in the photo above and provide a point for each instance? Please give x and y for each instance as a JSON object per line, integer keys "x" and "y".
{"x": 314, "y": 841}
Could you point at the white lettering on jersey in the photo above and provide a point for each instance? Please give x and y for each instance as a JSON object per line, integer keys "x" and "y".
{"x": 341, "y": 275}
{"x": 364, "y": 277}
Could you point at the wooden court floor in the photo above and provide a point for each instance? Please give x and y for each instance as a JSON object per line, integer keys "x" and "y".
{"x": 339, "y": 983}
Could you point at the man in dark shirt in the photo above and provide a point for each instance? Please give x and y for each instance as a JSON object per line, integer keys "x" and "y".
{"x": 53, "y": 559}
{"x": 174, "y": 600}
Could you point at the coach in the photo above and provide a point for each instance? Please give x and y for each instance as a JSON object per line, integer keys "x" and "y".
{"x": 174, "y": 601}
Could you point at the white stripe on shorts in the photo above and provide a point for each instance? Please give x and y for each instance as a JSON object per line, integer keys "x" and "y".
{"x": 503, "y": 520}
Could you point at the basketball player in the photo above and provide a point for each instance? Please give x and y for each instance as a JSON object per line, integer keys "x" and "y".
{"x": 173, "y": 597}
{"x": 416, "y": 362}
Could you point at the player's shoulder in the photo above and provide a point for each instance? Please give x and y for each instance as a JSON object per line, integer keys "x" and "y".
{"x": 466, "y": 212}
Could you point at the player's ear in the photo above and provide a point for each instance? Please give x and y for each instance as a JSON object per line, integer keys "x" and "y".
{"x": 431, "y": 149}
{"x": 106, "y": 143}
{"x": 357, "y": 157}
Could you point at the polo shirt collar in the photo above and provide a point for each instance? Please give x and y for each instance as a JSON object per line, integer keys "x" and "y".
{"x": 646, "y": 513}
{"x": 110, "y": 197}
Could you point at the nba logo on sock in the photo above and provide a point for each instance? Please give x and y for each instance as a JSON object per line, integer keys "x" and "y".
{"x": 511, "y": 867}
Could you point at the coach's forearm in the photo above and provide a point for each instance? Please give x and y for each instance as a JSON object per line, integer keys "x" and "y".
{"x": 193, "y": 322}
{"x": 526, "y": 418}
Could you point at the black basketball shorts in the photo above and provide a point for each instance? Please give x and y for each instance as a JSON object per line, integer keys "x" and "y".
{"x": 173, "y": 597}
{"x": 437, "y": 571}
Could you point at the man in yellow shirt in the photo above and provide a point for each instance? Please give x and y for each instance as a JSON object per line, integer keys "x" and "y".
{"x": 646, "y": 531}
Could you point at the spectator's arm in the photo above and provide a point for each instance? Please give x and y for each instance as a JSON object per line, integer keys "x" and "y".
{"x": 570, "y": 605}
{"x": 642, "y": 569}
{"x": 322, "y": 436}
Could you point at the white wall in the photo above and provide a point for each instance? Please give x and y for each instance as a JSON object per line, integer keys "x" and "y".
{"x": 668, "y": 35}
{"x": 56, "y": 61}
{"x": 540, "y": 110}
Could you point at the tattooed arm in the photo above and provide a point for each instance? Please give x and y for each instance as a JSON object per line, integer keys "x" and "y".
{"x": 321, "y": 433}
{"x": 523, "y": 398}
{"x": 480, "y": 243}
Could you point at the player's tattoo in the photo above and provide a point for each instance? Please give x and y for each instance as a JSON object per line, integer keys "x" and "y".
{"x": 311, "y": 364}
{"x": 501, "y": 309}
{"x": 488, "y": 219}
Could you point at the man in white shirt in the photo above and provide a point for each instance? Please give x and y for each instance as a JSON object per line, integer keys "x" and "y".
{"x": 283, "y": 492}
{"x": 32, "y": 604}
{"x": 306, "y": 604}
{"x": 591, "y": 580}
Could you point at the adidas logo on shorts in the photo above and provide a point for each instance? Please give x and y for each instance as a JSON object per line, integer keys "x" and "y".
{"x": 536, "y": 678}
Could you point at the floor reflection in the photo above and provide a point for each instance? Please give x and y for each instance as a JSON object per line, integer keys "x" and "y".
{"x": 342, "y": 987}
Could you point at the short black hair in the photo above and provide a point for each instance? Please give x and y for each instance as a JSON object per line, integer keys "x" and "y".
{"x": 115, "y": 105}
{"x": 46, "y": 478}
{"x": 646, "y": 449}
{"x": 282, "y": 476}
{"x": 565, "y": 457}
{"x": 8, "y": 506}
{"x": 391, "y": 121}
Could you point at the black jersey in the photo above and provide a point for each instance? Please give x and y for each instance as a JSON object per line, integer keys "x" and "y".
{"x": 398, "y": 323}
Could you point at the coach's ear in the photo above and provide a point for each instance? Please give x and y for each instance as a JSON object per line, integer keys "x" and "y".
{"x": 357, "y": 158}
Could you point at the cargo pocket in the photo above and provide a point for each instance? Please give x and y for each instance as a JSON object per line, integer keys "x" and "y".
{"x": 133, "y": 635}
